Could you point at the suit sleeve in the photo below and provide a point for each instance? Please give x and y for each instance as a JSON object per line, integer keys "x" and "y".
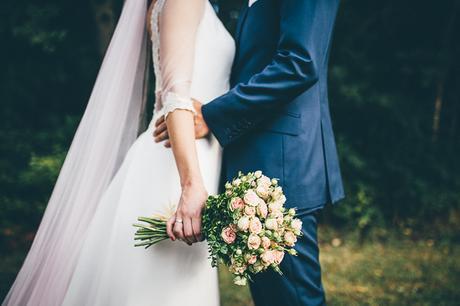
{"x": 291, "y": 72}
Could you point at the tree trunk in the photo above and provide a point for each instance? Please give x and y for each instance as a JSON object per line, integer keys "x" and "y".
{"x": 455, "y": 112}
{"x": 445, "y": 56}
{"x": 437, "y": 109}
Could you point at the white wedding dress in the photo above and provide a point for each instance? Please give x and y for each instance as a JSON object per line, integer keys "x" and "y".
{"x": 110, "y": 271}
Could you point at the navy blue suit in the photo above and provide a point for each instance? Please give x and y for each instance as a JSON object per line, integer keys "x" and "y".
{"x": 276, "y": 119}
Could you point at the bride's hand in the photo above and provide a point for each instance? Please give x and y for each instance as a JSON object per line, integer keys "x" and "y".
{"x": 186, "y": 223}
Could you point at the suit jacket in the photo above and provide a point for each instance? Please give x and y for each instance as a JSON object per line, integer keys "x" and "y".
{"x": 276, "y": 116}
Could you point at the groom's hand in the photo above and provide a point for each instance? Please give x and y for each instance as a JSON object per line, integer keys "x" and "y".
{"x": 186, "y": 223}
{"x": 201, "y": 128}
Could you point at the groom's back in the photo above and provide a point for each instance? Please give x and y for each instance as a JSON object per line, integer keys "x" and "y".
{"x": 297, "y": 144}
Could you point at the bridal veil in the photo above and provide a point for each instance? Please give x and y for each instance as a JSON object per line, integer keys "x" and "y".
{"x": 109, "y": 126}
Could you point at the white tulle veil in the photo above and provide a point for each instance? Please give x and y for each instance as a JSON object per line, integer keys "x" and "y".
{"x": 109, "y": 126}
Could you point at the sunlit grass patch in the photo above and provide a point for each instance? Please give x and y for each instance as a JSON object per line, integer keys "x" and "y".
{"x": 391, "y": 273}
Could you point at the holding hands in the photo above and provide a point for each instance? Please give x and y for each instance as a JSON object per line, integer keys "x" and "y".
{"x": 201, "y": 128}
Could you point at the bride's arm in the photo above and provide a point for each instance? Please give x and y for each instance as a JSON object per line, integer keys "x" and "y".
{"x": 179, "y": 21}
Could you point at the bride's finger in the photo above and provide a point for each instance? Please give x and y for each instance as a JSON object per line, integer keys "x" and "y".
{"x": 169, "y": 227}
{"x": 188, "y": 231}
{"x": 196, "y": 226}
{"x": 178, "y": 230}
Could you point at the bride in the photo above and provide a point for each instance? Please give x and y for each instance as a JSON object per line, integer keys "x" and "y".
{"x": 83, "y": 252}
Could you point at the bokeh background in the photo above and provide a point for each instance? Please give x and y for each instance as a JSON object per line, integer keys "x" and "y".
{"x": 395, "y": 101}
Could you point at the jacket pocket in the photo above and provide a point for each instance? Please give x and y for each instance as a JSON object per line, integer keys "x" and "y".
{"x": 287, "y": 123}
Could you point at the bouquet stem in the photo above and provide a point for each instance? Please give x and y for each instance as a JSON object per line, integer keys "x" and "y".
{"x": 151, "y": 232}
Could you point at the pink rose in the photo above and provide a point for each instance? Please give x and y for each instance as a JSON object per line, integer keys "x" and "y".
{"x": 268, "y": 257}
{"x": 264, "y": 181}
{"x": 296, "y": 224}
{"x": 229, "y": 235}
{"x": 253, "y": 242}
{"x": 258, "y": 266}
{"x": 238, "y": 269}
{"x": 249, "y": 210}
{"x": 251, "y": 259}
{"x": 277, "y": 193}
{"x": 236, "y": 182}
{"x": 279, "y": 217}
{"x": 279, "y": 255}
{"x": 243, "y": 223}
{"x": 251, "y": 198}
{"x": 236, "y": 203}
{"x": 271, "y": 224}
{"x": 262, "y": 191}
{"x": 262, "y": 209}
{"x": 282, "y": 199}
{"x": 275, "y": 207}
{"x": 290, "y": 239}
{"x": 255, "y": 226}
{"x": 266, "y": 243}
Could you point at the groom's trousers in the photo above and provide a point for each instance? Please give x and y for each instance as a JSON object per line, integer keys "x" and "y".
{"x": 300, "y": 284}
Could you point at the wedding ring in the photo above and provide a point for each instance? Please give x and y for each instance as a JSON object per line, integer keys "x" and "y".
{"x": 179, "y": 221}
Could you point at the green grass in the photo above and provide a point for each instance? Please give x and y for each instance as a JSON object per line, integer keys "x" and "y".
{"x": 397, "y": 272}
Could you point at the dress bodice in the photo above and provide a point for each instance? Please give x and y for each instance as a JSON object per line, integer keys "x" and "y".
{"x": 214, "y": 50}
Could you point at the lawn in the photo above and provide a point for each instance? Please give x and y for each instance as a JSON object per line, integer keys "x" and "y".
{"x": 399, "y": 271}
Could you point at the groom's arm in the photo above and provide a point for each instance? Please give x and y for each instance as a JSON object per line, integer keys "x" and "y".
{"x": 291, "y": 72}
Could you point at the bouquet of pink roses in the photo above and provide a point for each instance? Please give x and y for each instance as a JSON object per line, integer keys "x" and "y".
{"x": 247, "y": 227}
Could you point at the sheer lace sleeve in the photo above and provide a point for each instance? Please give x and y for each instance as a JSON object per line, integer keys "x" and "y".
{"x": 178, "y": 25}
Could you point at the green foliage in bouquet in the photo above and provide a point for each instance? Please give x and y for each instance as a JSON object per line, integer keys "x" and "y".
{"x": 215, "y": 218}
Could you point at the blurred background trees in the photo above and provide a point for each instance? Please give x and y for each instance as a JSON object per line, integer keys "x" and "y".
{"x": 394, "y": 94}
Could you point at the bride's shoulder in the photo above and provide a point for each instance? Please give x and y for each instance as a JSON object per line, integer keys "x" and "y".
{"x": 183, "y": 10}
{"x": 185, "y": 4}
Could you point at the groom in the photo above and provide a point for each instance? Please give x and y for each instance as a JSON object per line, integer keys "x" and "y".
{"x": 276, "y": 119}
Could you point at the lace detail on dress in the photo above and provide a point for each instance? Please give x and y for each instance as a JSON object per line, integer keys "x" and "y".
{"x": 166, "y": 101}
{"x": 173, "y": 101}
{"x": 154, "y": 20}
